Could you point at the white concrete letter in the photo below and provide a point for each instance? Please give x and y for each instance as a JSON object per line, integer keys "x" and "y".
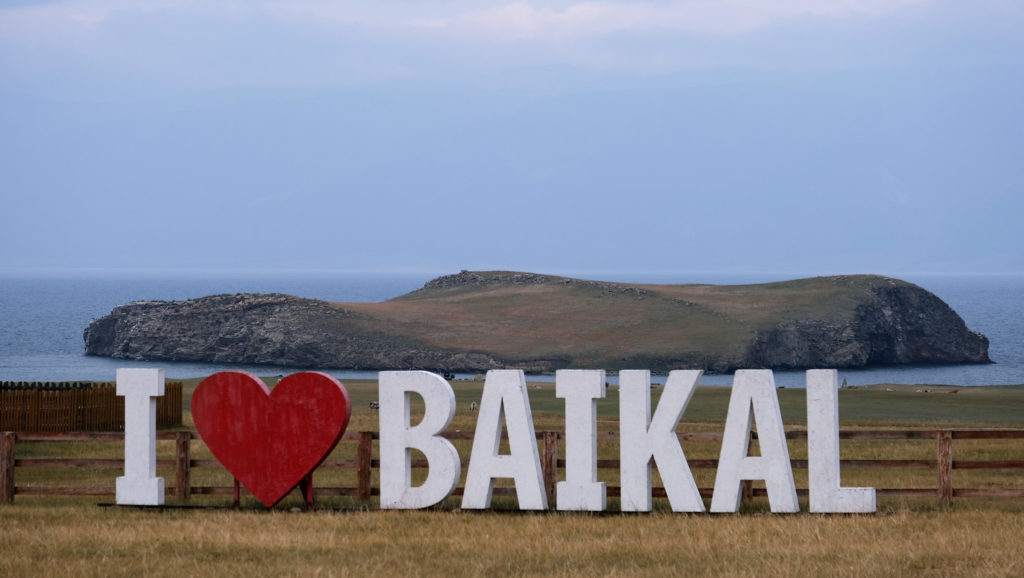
{"x": 824, "y": 489}
{"x": 580, "y": 390}
{"x": 139, "y": 486}
{"x": 505, "y": 399}
{"x": 398, "y": 438}
{"x": 643, "y": 439}
{"x": 753, "y": 398}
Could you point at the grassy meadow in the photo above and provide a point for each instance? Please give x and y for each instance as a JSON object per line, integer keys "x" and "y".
{"x": 613, "y": 325}
{"x": 342, "y": 536}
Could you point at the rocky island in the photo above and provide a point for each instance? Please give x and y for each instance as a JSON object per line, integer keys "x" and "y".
{"x": 474, "y": 321}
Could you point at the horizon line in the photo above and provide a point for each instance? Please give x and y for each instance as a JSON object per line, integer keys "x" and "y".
{"x": 433, "y": 272}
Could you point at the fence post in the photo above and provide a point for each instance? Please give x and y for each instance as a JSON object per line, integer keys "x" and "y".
{"x": 117, "y": 416}
{"x": 549, "y": 464}
{"x": 7, "y": 467}
{"x": 183, "y": 465}
{"x": 748, "y": 485}
{"x": 77, "y": 407}
{"x": 176, "y": 404}
{"x": 306, "y": 489}
{"x": 33, "y": 410}
{"x": 365, "y": 460}
{"x": 945, "y": 467}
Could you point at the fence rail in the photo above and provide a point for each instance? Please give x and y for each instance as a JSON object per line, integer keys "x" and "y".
{"x": 71, "y": 406}
{"x": 48, "y": 385}
{"x": 364, "y": 463}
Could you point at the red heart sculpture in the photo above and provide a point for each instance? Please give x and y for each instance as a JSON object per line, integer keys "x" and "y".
{"x": 268, "y": 440}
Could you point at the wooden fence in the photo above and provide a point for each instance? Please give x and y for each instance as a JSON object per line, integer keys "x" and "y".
{"x": 365, "y": 462}
{"x": 76, "y": 407}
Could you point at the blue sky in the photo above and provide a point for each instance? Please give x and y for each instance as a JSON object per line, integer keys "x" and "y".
{"x": 811, "y": 137}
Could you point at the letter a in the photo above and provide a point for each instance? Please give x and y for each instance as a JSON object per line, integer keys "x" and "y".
{"x": 505, "y": 398}
{"x": 753, "y": 397}
{"x": 398, "y": 439}
{"x": 826, "y": 495}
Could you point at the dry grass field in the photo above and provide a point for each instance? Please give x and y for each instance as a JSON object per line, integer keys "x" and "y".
{"x": 84, "y": 540}
{"x": 76, "y": 536}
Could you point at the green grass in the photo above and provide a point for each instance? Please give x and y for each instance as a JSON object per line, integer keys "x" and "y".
{"x": 879, "y": 405}
{"x": 875, "y": 405}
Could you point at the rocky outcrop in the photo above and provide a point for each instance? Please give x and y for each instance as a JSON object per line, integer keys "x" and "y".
{"x": 474, "y": 321}
{"x": 260, "y": 329}
{"x": 898, "y": 324}
{"x": 466, "y": 278}
{"x": 475, "y": 280}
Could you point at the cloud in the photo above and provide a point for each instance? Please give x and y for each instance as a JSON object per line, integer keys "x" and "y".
{"x": 486, "y": 20}
{"x": 587, "y": 19}
{"x": 53, "y": 44}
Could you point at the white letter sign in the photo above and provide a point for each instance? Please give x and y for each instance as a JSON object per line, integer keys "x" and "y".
{"x": 580, "y": 389}
{"x": 505, "y": 399}
{"x": 646, "y": 440}
{"x": 753, "y": 398}
{"x": 643, "y": 440}
{"x": 824, "y": 489}
{"x": 398, "y": 439}
{"x": 139, "y": 486}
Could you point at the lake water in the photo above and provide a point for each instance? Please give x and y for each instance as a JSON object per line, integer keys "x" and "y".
{"x": 42, "y": 320}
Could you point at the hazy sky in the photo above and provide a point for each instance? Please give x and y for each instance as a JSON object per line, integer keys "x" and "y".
{"x": 807, "y": 136}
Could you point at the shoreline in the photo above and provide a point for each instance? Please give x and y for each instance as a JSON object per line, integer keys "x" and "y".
{"x": 64, "y": 368}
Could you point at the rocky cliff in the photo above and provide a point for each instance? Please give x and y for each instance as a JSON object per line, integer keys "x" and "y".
{"x": 474, "y": 321}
